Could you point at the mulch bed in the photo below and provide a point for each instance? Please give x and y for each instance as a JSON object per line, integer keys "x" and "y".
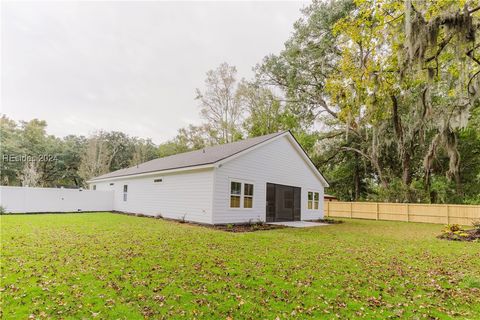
{"x": 328, "y": 221}
{"x": 263, "y": 226}
{"x": 462, "y": 235}
{"x": 247, "y": 227}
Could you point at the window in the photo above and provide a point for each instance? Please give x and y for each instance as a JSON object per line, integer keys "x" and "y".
{"x": 241, "y": 195}
{"x": 235, "y": 194}
{"x": 313, "y": 199}
{"x": 125, "y": 192}
{"x": 94, "y": 187}
{"x": 248, "y": 195}
{"x": 316, "y": 197}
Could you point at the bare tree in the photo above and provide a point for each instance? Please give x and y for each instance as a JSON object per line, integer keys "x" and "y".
{"x": 139, "y": 155}
{"x": 144, "y": 150}
{"x": 220, "y": 106}
{"x": 30, "y": 175}
{"x": 96, "y": 159}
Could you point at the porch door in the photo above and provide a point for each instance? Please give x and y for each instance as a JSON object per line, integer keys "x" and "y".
{"x": 283, "y": 203}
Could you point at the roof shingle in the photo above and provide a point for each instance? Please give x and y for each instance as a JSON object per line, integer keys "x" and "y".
{"x": 208, "y": 155}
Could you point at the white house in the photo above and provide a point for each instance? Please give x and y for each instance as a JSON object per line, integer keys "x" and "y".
{"x": 268, "y": 178}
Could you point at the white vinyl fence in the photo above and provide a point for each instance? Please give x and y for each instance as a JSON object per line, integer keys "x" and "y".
{"x": 24, "y": 200}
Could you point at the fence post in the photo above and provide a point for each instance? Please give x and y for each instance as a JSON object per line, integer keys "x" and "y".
{"x": 408, "y": 212}
{"x": 351, "y": 210}
{"x": 377, "y": 212}
{"x": 448, "y": 214}
{"x": 328, "y": 208}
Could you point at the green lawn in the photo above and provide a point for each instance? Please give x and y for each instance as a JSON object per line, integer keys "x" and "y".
{"x": 121, "y": 267}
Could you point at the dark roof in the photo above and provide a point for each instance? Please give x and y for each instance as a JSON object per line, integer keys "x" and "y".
{"x": 208, "y": 155}
{"x": 329, "y": 196}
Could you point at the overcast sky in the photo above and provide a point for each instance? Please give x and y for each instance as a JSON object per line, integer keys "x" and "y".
{"x": 128, "y": 66}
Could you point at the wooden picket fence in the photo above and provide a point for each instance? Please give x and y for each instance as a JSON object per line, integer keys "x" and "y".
{"x": 409, "y": 212}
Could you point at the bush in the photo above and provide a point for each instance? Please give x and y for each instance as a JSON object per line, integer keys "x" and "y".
{"x": 3, "y": 210}
{"x": 397, "y": 191}
{"x": 476, "y": 224}
{"x": 183, "y": 219}
{"x": 457, "y": 233}
{"x": 452, "y": 228}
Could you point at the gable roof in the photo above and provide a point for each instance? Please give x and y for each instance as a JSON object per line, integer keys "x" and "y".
{"x": 201, "y": 157}
{"x": 208, "y": 155}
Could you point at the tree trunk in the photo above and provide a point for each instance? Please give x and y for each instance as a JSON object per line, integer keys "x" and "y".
{"x": 407, "y": 174}
{"x": 458, "y": 184}
{"x": 357, "y": 178}
{"x": 374, "y": 161}
{"x": 405, "y": 152}
{"x": 407, "y": 170}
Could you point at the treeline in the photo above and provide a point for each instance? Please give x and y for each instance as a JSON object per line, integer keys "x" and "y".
{"x": 383, "y": 95}
{"x": 31, "y": 157}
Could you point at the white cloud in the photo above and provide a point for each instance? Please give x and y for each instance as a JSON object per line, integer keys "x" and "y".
{"x": 129, "y": 66}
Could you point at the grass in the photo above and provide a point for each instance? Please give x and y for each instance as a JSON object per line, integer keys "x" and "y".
{"x": 104, "y": 265}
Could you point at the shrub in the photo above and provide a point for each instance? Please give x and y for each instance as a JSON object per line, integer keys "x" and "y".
{"x": 260, "y": 222}
{"x": 452, "y": 228}
{"x": 183, "y": 219}
{"x": 476, "y": 224}
{"x": 3, "y": 210}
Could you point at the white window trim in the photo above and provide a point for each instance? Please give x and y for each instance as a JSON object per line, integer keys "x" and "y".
{"x": 242, "y": 193}
{"x": 313, "y": 200}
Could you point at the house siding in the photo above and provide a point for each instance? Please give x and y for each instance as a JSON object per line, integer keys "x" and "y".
{"x": 183, "y": 195}
{"x": 278, "y": 162}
